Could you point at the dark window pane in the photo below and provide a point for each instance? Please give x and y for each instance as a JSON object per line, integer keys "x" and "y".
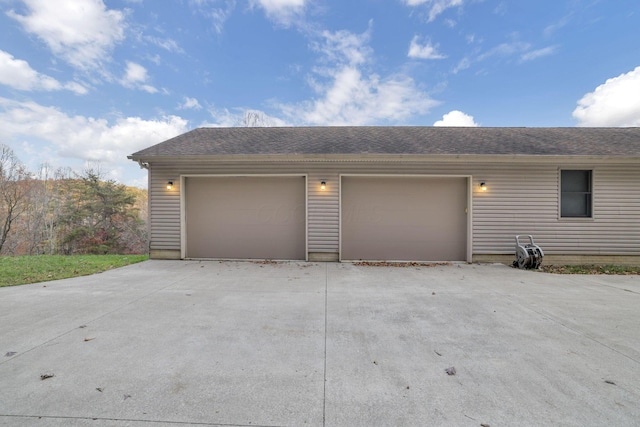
{"x": 576, "y": 205}
{"x": 579, "y": 181}
{"x": 575, "y": 197}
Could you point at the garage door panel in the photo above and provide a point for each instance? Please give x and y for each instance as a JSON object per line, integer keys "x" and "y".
{"x": 389, "y": 218}
{"x": 245, "y": 217}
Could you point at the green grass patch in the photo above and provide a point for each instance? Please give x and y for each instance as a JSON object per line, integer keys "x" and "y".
{"x": 20, "y": 270}
{"x": 591, "y": 269}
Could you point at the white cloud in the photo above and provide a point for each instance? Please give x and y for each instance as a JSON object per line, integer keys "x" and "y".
{"x": 436, "y": 7}
{"x": 538, "y": 53}
{"x": 167, "y": 44}
{"x": 135, "y": 76}
{"x": 456, "y": 118}
{"x": 616, "y": 102}
{"x": 508, "y": 50}
{"x": 218, "y": 15}
{"x": 18, "y": 74}
{"x": 344, "y": 46}
{"x": 462, "y": 65}
{"x": 283, "y": 12}
{"x": 425, "y": 51}
{"x": 154, "y": 58}
{"x": 76, "y": 87}
{"x": 354, "y": 99}
{"x": 82, "y": 32}
{"x": 349, "y": 94}
{"x": 190, "y": 104}
{"x": 81, "y": 137}
{"x": 505, "y": 49}
{"x": 501, "y": 9}
{"x": 148, "y": 88}
{"x": 553, "y": 28}
{"x": 135, "y": 73}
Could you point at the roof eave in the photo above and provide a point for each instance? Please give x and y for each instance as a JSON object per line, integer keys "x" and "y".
{"x": 366, "y": 157}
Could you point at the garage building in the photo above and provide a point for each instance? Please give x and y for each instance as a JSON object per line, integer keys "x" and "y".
{"x": 395, "y": 193}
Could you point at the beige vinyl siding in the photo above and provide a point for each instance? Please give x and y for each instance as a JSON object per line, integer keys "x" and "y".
{"x": 616, "y": 195}
{"x": 521, "y": 204}
{"x": 164, "y": 210}
{"x": 521, "y": 199}
{"x": 516, "y": 205}
{"x": 323, "y": 211}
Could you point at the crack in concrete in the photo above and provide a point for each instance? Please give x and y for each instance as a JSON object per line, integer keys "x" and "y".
{"x": 130, "y": 420}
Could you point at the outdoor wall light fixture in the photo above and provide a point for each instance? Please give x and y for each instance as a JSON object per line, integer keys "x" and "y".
{"x": 323, "y": 185}
{"x": 170, "y": 185}
{"x": 483, "y": 186}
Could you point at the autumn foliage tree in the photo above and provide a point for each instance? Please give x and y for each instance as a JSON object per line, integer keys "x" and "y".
{"x": 60, "y": 212}
{"x": 97, "y": 214}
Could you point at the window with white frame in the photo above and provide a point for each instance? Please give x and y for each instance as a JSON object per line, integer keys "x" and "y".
{"x": 576, "y": 193}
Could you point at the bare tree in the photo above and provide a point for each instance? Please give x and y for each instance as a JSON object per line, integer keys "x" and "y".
{"x": 54, "y": 207}
{"x": 253, "y": 118}
{"x": 36, "y": 228}
{"x": 15, "y": 184}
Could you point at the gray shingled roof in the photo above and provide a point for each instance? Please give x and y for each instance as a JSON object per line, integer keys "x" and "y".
{"x": 616, "y": 142}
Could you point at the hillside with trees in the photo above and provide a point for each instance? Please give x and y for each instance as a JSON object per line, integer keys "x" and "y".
{"x": 62, "y": 212}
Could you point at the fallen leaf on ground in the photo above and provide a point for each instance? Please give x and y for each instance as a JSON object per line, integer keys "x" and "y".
{"x": 451, "y": 370}
{"x": 399, "y": 264}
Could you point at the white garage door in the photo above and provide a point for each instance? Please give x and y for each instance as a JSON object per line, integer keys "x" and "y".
{"x": 403, "y": 219}
{"x": 245, "y": 217}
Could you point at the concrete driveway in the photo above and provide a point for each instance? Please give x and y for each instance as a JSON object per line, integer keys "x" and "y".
{"x": 250, "y": 344}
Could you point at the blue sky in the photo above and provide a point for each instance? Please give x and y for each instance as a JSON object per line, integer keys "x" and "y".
{"x": 95, "y": 80}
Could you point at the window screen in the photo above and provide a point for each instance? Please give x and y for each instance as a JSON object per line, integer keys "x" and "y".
{"x": 575, "y": 197}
